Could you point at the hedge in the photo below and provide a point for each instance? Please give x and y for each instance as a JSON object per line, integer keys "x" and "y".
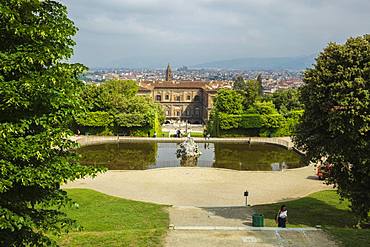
{"x": 131, "y": 120}
{"x": 273, "y": 121}
{"x": 250, "y": 121}
{"x": 228, "y": 121}
{"x": 254, "y": 124}
{"x": 108, "y": 123}
{"x": 95, "y": 119}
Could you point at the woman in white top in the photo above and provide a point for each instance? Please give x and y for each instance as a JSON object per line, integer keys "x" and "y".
{"x": 282, "y": 217}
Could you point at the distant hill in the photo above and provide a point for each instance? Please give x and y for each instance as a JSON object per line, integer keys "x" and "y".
{"x": 265, "y": 63}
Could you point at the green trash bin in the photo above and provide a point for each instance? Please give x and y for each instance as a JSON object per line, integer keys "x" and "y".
{"x": 257, "y": 220}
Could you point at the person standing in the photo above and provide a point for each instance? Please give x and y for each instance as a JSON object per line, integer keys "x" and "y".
{"x": 282, "y": 217}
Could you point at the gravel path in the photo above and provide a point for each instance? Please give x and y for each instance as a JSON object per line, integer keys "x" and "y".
{"x": 204, "y": 187}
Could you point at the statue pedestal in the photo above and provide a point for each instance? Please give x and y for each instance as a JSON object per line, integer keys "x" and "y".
{"x": 189, "y": 152}
{"x": 189, "y": 161}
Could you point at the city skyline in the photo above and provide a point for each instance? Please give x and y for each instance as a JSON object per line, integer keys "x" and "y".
{"x": 150, "y": 33}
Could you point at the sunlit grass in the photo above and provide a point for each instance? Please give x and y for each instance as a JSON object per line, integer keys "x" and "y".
{"x": 111, "y": 221}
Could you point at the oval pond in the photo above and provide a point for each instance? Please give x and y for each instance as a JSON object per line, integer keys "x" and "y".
{"x": 142, "y": 156}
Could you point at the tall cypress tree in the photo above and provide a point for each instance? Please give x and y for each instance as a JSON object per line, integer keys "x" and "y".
{"x": 39, "y": 95}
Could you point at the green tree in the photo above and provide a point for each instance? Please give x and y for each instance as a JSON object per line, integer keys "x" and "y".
{"x": 116, "y": 94}
{"x": 123, "y": 88}
{"x": 265, "y": 107}
{"x": 250, "y": 89}
{"x": 118, "y": 99}
{"x": 239, "y": 84}
{"x": 39, "y": 94}
{"x": 229, "y": 101}
{"x": 336, "y": 122}
{"x": 252, "y": 92}
{"x": 287, "y": 99}
{"x": 260, "y": 87}
{"x": 92, "y": 97}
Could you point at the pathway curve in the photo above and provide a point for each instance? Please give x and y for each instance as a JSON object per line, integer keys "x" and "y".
{"x": 194, "y": 186}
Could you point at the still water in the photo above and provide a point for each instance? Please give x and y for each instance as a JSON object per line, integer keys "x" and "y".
{"x": 142, "y": 156}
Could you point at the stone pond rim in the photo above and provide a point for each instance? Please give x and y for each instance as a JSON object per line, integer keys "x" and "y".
{"x": 285, "y": 142}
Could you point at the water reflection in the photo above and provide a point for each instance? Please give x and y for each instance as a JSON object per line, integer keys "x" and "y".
{"x": 257, "y": 157}
{"x": 120, "y": 156}
{"x": 141, "y": 156}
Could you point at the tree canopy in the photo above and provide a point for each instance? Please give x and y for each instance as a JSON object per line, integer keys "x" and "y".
{"x": 231, "y": 116}
{"x": 239, "y": 83}
{"x": 115, "y": 106}
{"x": 287, "y": 100}
{"x": 335, "y": 127}
{"x": 229, "y": 101}
{"x": 251, "y": 90}
{"x": 39, "y": 95}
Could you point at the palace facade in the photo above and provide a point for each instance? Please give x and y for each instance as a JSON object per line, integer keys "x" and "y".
{"x": 189, "y": 101}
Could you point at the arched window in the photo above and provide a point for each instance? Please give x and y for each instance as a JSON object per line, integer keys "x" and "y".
{"x": 196, "y": 98}
{"x": 158, "y": 98}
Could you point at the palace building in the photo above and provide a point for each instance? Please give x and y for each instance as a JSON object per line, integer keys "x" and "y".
{"x": 189, "y": 101}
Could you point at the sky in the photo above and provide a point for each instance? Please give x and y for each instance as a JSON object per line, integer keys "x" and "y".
{"x": 152, "y": 33}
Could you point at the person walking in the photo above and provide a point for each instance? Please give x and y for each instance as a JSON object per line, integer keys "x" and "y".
{"x": 282, "y": 217}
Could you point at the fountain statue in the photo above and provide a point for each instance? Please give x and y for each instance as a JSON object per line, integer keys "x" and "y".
{"x": 189, "y": 152}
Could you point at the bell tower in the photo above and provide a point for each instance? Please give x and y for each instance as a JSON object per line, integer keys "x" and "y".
{"x": 169, "y": 76}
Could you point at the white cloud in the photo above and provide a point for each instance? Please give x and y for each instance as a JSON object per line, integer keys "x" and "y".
{"x": 193, "y": 31}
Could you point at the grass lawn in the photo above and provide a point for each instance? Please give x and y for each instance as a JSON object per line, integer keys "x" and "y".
{"x": 112, "y": 221}
{"x": 321, "y": 208}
